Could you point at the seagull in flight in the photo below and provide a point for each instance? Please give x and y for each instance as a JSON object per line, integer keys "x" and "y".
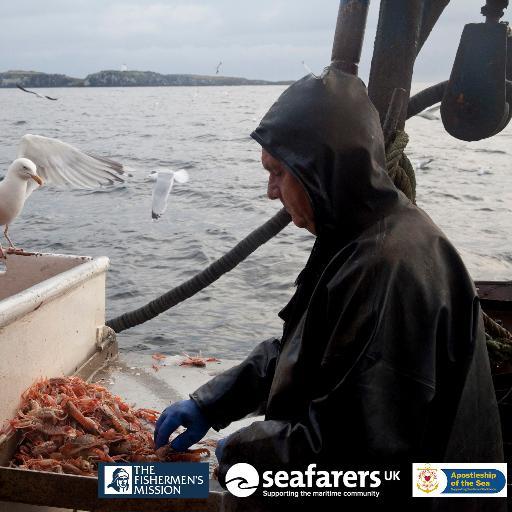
{"x": 51, "y": 161}
{"x": 423, "y": 164}
{"x": 218, "y": 67}
{"x": 164, "y": 181}
{"x": 36, "y": 93}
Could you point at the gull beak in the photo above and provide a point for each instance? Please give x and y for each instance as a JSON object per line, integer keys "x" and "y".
{"x": 37, "y": 179}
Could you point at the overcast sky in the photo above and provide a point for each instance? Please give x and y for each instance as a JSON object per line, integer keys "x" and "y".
{"x": 266, "y": 39}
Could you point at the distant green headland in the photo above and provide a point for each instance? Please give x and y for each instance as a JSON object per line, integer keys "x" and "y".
{"x": 112, "y": 78}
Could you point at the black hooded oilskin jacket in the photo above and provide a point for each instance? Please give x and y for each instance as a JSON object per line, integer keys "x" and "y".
{"x": 383, "y": 355}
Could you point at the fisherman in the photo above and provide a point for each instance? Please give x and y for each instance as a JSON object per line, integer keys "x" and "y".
{"x": 383, "y": 356}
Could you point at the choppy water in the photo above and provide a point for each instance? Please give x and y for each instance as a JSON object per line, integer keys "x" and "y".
{"x": 466, "y": 188}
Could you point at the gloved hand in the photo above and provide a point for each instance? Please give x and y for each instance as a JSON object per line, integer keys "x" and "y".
{"x": 220, "y": 447}
{"x": 187, "y": 414}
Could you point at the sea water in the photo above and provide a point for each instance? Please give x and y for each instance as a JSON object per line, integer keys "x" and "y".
{"x": 465, "y": 187}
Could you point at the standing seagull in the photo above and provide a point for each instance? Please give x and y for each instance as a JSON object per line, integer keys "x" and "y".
{"x": 36, "y": 93}
{"x": 41, "y": 159}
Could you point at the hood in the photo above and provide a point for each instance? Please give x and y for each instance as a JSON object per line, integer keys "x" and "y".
{"x": 328, "y": 134}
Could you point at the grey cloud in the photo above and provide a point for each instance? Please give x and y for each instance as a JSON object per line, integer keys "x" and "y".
{"x": 264, "y": 39}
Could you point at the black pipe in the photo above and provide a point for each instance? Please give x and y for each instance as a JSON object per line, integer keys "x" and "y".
{"x": 203, "y": 279}
{"x": 434, "y": 94}
{"x": 426, "y": 98}
{"x": 396, "y": 48}
{"x": 349, "y": 35}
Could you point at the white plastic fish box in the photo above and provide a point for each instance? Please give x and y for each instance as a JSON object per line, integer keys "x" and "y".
{"x": 52, "y": 313}
{"x": 52, "y": 316}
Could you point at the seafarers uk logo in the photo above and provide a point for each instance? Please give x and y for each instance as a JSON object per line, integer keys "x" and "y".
{"x": 120, "y": 479}
{"x": 242, "y": 480}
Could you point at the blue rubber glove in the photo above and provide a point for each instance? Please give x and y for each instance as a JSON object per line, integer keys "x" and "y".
{"x": 220, "y": 448}
{"x": 187, "y": 414}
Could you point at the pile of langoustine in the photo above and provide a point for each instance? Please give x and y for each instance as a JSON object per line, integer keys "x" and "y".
{"x": 69, "y": 425}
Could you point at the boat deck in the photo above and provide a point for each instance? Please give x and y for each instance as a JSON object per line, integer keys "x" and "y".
{"x": 133, "y": 377}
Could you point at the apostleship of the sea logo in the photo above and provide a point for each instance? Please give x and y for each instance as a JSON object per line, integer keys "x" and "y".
{"x": 427, "y": 479}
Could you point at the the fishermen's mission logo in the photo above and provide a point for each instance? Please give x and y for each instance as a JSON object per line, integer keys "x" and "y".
{"x": 427, "y": 479}
{"x": 118, "y": 480}
{"x": 153, "y": 480}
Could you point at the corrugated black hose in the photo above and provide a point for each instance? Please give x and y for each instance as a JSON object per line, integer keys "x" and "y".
{"x": 206, "y": 277}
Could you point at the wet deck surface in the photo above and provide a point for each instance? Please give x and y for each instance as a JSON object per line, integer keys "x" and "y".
{"x": 133, "y": 377}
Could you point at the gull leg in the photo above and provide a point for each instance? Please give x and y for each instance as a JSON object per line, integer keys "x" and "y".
{"x": 12, "y": 248}
{"x": 6, "y": 236}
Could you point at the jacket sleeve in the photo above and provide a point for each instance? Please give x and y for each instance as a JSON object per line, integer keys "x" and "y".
{"x": 241, "y": 390}
{"x": 375, "y": 418}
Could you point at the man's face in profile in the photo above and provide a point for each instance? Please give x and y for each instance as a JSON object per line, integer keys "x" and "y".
{"x": 283, "y": 185}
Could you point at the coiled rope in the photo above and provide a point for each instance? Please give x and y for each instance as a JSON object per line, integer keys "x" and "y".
{"x": 399, "y": 166}
{"x": 499, "y": 341}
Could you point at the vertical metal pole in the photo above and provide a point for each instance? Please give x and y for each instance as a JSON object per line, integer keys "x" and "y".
{"x": 396, "y": 47}
{"x": 393, "y": 115}
{"x": 349, "y": 35}
{"x": 432, "y": 9}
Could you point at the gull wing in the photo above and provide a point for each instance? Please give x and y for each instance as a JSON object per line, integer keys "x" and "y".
{"x": 161, "y": 190}
{"x": 181, "y": 176}
{"x": 36, "y": 93}
{"x": 62, "y": 165}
